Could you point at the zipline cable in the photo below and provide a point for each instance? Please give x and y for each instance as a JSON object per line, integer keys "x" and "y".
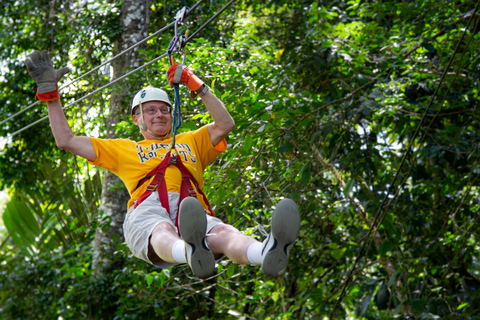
{"x": 129, "y": 73}
{"x": 103, "y": 64}
{"x": 379, "y": 212}
{"x": 91, "y": 71}
{"x": 210, "y": 20}
{"x": 93, "y": 92}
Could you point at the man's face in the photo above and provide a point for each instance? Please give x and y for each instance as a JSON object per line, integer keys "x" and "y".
{"x": 156, "y": 115}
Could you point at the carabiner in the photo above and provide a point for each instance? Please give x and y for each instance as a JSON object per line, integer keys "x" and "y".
{"x": 179, "y": 41}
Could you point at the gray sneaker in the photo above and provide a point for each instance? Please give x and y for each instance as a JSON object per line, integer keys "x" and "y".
{"x": 192, "y": 223}
{"x": 284, "y": 231}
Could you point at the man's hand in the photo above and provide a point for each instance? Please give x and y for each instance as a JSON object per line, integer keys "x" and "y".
{"x": 45, "y": 76}
{"x": 179, "y": 73}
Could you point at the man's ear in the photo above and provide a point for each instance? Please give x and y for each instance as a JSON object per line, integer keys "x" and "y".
{"x": 137, "y": 119}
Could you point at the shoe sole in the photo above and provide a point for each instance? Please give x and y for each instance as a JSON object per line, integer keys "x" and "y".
{"x": 192, "y": 224}
{"x": 285, "y": 229}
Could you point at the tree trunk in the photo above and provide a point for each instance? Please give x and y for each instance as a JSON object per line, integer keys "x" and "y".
{"x": 134, "y": 20}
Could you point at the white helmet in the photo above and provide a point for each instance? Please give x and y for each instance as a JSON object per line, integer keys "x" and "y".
{"x": 146, "y": 95}
{"x": 150, "y": 94}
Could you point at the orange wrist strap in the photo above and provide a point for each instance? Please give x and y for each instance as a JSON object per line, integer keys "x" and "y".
{"x": 48, "y": 96}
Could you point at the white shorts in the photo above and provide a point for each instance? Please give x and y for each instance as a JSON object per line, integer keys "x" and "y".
{"x": 140, "y": 222}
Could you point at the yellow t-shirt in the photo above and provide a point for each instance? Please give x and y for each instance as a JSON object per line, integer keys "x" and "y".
{"x": 131, "y": 161}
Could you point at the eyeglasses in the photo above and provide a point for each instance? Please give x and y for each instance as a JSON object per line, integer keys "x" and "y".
{"x": 151, "y": 110}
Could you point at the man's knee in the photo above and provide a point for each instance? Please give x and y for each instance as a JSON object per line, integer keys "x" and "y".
{"x": 223, "y": 230}
{"x": 162, "y": 228}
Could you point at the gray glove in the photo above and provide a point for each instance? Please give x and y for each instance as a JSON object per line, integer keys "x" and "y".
{"x": 45, "y": 76}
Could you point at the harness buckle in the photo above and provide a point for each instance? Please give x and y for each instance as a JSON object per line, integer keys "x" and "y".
{"x": 151, "y": 187}
{"x": 192, "y": 193}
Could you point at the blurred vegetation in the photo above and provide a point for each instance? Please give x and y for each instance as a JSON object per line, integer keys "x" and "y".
{"x": 363, "y": 112}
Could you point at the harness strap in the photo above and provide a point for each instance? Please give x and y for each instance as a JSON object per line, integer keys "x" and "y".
{"x": 158, "y": 183}
{"x": 159, "y": 172}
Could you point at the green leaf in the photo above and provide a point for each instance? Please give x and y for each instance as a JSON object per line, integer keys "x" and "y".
{"x": 306, "y": 177}
{"x": 388, "y": 223}
{"x": 275, "y": 296}
{"x": 20, "y": 221}
{"x": 166, "y": 272}
{"x": 385, "y": 247}
{"x": 348, "y": 187}
{"x": 327, "y": 129}
{"x": 333, "y": 245}
{"x": 419, "y": 304}
{"x": 285, "y": 148}
{"x": 221, "y": 193}
{"x": 158, "y": 280}
{"x": 463, "y": 305}
{"x": 150, "y": 279}
{"x": 315, "y": 136}
{"x": 362, "y": 309}
{"x": 232, "y": 174}
{"x": 392, "y": 279}
{"x": 248, "y": 143}
{"x": 428, "y": 46}
{"x": 189, "y": 125}
{"x": 230, "y": 270}
{"x": 295, "y": 196}
{"x": 338, "y": 253}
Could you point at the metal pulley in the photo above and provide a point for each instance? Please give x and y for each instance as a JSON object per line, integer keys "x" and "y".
{"x": 177, "y": 44}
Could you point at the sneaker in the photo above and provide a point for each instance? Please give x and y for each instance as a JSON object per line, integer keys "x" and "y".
{"x": 284, "y": 231}
{"x": 192, "y": 224}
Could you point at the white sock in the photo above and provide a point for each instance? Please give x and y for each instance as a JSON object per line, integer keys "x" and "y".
{"x": 178, "y": 251}
{"x": 254, "y": 253}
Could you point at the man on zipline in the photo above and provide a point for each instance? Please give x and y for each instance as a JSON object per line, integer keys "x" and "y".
{"x": 169, "y": 220}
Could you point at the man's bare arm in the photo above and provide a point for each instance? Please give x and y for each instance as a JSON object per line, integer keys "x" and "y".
{"x": 223, "y": 122}
{"x": 80, "y": 145}
{"x": 46, "y": 78}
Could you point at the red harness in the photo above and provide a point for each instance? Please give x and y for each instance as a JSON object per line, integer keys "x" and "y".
{"x": 158, "y": 182}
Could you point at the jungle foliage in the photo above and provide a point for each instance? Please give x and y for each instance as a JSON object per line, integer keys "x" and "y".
{"x": 366, "y": 113}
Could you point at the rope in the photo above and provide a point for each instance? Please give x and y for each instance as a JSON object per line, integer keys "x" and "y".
{"x": 101, "y": 65}
{"x": 177, "y": 114}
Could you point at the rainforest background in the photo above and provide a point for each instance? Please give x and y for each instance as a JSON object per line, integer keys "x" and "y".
{"x": 365, "y": 112}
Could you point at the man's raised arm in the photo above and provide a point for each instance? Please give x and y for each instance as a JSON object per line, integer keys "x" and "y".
{"x": 223, "y": 122}
{"x": 64, "y": 137}
{"x": 46, "y": 77}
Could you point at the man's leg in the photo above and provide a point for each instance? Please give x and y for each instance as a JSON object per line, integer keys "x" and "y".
{"x": 192, "y": 225}
{"x": 284, "y": 231}
{"x": 226, "y": 239}
{"x": 272, "y": 254}
{"x": 162, "y": 241}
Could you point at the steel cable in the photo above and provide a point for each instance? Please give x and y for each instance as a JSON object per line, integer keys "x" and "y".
{"x": 131, "y": 72}
{"x": 103, "y": 64}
